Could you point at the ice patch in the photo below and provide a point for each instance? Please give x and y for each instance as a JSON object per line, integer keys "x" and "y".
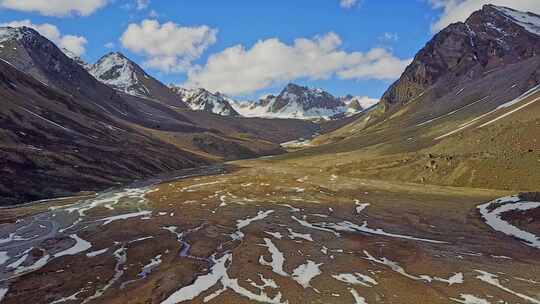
{"x": 494, "y": 220}
{"x": 350, "y": 227}
{"x": 492, "y": 280}
{"x": 294, "y": 235}
{"x": 3, "y": 292}
{"x": 309, "y": 225}
{"x": 355, "y": 279}
{"x": 277, "y": 258}
{"x": 360, "y": 206}
{"x": 454, "y": 279}
{"x": 108, "y": 220}
{"x": 276, "y": 235}
{"x": 260, "y": 215}
{"x": 73, "y": 297}
{"x": 303, "y": 274}
{"x": 80, "y": 246}
{"x": 356, "y": 296}
{"x": 217, "y": 274}
{"x": 193, "y": 187}
{"x": 109, "y": 199}
{"x": 148, "y": 268}
{"x": 36, "y": 266}
{"x": 293, "y": 209}
{"x": 96, "y": 253}
{"x": 470, "y": 299}
{"x": 4, "y": 257}
{"x": 266, "y": 283}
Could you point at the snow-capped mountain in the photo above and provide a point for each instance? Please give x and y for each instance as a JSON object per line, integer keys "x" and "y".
{"x": 77, "y": 59}
{"x": 203, "y": 100}
{"x": 300, "y": 102}
{"x": 357, "y": 104}
{"x": 120, "y": 73}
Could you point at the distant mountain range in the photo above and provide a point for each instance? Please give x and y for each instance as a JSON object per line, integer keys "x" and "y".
{"x": 300, "y": 102}
{"x": 122, "y": 74}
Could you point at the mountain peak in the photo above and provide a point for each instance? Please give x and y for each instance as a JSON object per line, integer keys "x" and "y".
{"x": 120, "y": 73}
{"x": 201, "y": 99}
{"x": 118, "y": 55}
{"x": 529, "y": 21}
{"x": 294, "y": 86}
{"x": 301, "y": 102}
{"x": 489, "y": 39}
{"x": 9, "y": 33}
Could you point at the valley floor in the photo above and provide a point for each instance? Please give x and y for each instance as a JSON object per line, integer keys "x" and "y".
{"x": 269, "y": 232}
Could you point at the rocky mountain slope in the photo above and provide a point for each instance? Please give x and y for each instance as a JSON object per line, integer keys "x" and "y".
{"x": 52, "y": 145}
{"x": 203, "y": 100}
{"x": 490, "y": 39}
{"x": 296, "y": 101}
{"x": 465, "y": 112}
{"x": 124, "y": 75}
{"x": 63, "y": 131}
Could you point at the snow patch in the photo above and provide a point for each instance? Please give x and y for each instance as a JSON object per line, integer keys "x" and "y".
{"x": 492, "y": 217}
{"x": 278, "y": 260}
{"x": 80, "y": 246}
{"x": 304, "y": 273}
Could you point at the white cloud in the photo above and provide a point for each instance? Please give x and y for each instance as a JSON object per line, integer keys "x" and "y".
{"x": 459, "y": 10}
{"x": 348, "y": 3}
{"x": 237, "y": 70}
{"x": 55, "y": 7}
{"x": 378, "y": 63}
{"x": 366, "y": 102}
{"x": 142, "y": 4}
{"x": 389, "y": 37}
{"x": 74, "y": 44}
{"x": 109, "y": 45}
{"x": 168, "y": 47}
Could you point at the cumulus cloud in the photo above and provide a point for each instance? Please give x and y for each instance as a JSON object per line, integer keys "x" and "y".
{"x": 74, "y": 44}
{"x": 237, "y": 70}
{"x": 168, "y": 47}
{"x": 348, "y": 3}
{"x": 55, "y": 7}
{"x": 377, "y": 63}
{"x": 459, "y": 10}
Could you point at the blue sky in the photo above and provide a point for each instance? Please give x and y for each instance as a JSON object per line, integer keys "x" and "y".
{"x": 347, "y": 38}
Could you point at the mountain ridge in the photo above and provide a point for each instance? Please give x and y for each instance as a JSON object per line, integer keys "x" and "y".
{"x": 203, "y": 100}
{"x": 121, "y": 73}
{"x": 295, "y": 101}
{"x": 487, "y": 40}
